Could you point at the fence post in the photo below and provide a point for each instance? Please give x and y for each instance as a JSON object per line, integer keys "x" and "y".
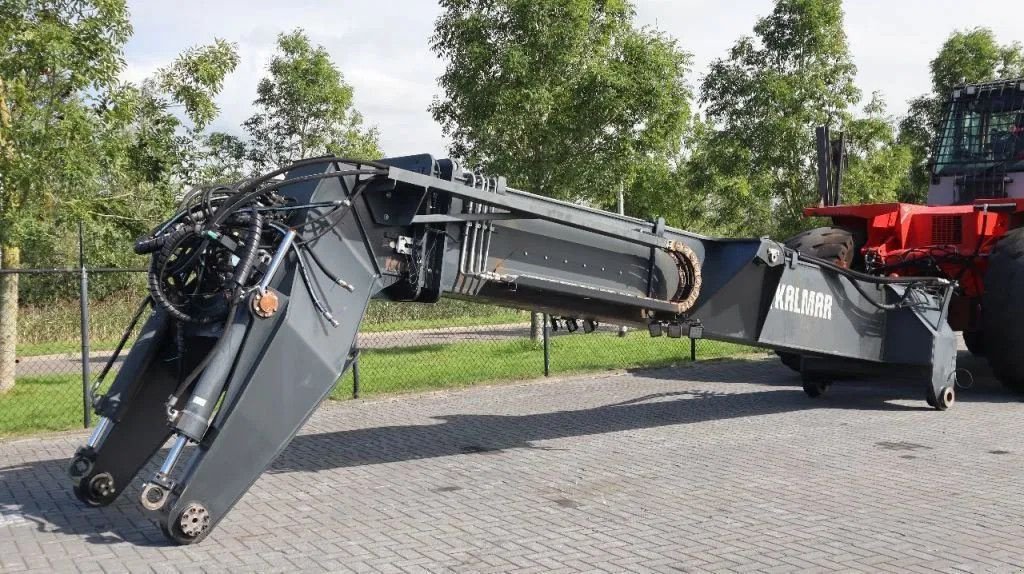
{"x": 693, "y": 349}
{"x": 355, "y": 375}
{"x": 83, "y": 296}
{"x": 547, "y": 346}
{"x": 622, "y": 211}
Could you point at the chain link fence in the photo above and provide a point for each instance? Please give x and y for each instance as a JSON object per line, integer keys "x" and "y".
{"x": 482, "y": 349}
{"x": 66, "y": 332}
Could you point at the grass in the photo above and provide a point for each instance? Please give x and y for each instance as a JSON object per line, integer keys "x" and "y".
{"x": 500, "y": 318}
{"x": 56, "y": 329}
{"x": 54, "y": 402}
{"x": 408, "y": 369}
{"x": 42, "y": 403}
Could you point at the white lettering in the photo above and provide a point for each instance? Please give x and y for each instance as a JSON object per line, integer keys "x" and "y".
{"x": 803, "y": 301}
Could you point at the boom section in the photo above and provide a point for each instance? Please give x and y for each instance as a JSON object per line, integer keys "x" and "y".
{"x": 257, "y": 291}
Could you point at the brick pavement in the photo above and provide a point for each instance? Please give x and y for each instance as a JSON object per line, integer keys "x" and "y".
{"x": 718, "y": 466}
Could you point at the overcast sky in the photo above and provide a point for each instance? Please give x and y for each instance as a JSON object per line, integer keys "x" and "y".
{"x": 382, "y": 46}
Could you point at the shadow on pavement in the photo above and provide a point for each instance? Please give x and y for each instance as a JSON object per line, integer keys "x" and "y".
{"x": 40, "y": 491}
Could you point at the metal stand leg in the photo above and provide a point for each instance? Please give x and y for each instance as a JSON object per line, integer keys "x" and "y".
{"x": 288, "y": 377}
{"x": 134, "y": 423}
{"x": 129, "y": 443}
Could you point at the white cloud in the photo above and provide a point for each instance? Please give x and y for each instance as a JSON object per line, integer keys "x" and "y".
{"x": 382, "y": 46}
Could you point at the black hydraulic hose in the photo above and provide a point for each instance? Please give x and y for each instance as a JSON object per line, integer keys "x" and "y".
{"x": 156, "y": 272}
{"x": 227, "y": 210}
{"x": 252, "y": 188}
{"x": 871, "y": 278}
{"x": 316, "y": 259}
{"x": 876, "y": 280}
{"x": 120, "y": 344}
{"x": 147, "y": 245}
{"x": 341, "y": 213}
{"x": 311, "y": 288}
{"x": 249, "y": 250}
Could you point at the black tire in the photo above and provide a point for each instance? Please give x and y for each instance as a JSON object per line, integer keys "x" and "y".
{"x": 836, "y": 244}
{"x": 975, "y": 341}
{"x": 1003, "y": 310}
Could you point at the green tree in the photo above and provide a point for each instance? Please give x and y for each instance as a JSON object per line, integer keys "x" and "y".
{"x": 755, "y": 164}
{"x": 966, "y": 57}
{"x": 50, "y": 53}
{"x": 133, "y": 170}
{"x": 304, "y": 109}
{"x": 567, "y": 98}
{"x": 878, "y": 167}
{"x": 219, "y": 157}
{"x": 72, "y": 139}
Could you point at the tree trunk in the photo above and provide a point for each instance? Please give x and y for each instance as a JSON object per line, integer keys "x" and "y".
{"x": 536, "y": 324}
{"x": 10, "y": 258}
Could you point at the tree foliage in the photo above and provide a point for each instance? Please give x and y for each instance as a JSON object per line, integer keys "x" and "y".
{"x": 304, "y": 109}
{"x": 52, "y": 55}
{"x": 763, "y": 103}
{"x": 82, "y": 146}
{"x": 75, "y": 145}
{"x": 565, "y": 97}
{"x": 878, "y": 167}
{"x": 966, "y": 57}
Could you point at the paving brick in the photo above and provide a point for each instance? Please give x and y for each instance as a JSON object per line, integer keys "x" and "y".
{"x": 721, "y": 466}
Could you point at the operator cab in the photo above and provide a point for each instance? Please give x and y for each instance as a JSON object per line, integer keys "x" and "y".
{"x": 979, "y": 151}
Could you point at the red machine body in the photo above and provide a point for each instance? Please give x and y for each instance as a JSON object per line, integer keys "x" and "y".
{"x": 971, "y": 232}
{"x": 953, "y": 241}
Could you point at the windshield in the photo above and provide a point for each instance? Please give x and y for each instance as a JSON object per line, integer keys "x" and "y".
{"x": 982, "y": 132}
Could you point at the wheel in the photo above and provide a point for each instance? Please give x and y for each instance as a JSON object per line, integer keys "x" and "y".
{"x": 189, "y": 525}
{"x": 836, "y": 244}
{"x": 1003, "y": 324}
{"x": 81, "y": 466}
{"x": 97, "y": 490}
{"x": 816, "y": 387}
{"x": 944, "y": 400}
{"x": 975, "y": 341}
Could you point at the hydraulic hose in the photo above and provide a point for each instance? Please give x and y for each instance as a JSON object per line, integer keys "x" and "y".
{"x": 249, "y": 250}
{"x": 874, "y": 279}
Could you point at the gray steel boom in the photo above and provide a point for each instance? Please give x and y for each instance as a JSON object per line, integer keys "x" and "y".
{"x": 258, "y": 289}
